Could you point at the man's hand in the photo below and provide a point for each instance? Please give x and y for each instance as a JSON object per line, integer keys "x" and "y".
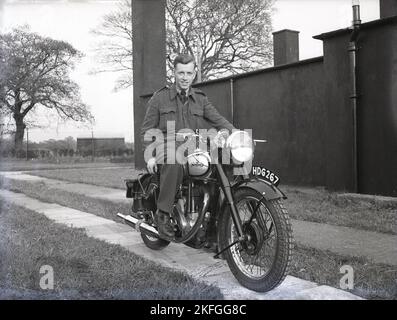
{"x": 221, "y": 137}
{"x": 151, "y": 165}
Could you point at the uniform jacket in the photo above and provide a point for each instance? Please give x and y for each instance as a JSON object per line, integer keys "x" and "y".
{"x": 197, "y": 113}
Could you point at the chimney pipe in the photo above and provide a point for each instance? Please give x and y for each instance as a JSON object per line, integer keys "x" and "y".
{"x": 285, "y": 46}
{"x": 388, "y": 8}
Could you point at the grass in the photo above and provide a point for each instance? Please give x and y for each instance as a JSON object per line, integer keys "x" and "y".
{"x": 110, "y": 177}
{"x": 316, "y": 205}
{"x": 84, "y": 268}
{"x": 24, "y": 165}
{"x": 372, "y": 281}
{"x": 327, "y": 207}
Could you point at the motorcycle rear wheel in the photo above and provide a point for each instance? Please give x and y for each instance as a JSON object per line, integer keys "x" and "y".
{"x": 154, "y": 243}
{"x": 262, "y": 263}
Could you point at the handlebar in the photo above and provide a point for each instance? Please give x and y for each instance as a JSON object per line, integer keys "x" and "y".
{"x": 193, "y": 134}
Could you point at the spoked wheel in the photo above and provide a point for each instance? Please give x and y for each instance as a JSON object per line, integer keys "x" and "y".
{"x": 154, "y": 243}
{"x": 262, "y": 261}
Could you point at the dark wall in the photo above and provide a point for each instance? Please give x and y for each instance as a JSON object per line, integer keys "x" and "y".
{"x": 377, "y": 113}
{"x": 285, "y": 106}
{"x": 339, "y": 115}
{"x": 376, "y": 109}
{"x": 303, "y": 109}
{"x": 218, "y": 93}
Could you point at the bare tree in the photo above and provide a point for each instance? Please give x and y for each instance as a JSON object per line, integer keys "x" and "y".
{"x": 35, "y": 73}
{"x": 226, "y": 36}
{"x": 115, "y": 46}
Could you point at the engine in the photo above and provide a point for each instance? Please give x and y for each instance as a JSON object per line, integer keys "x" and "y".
{"x": 192, "y": 214}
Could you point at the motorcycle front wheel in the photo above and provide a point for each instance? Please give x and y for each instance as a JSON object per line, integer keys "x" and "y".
{"x": 262, "y": 262}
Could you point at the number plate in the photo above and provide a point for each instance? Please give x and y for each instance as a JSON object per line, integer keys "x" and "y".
{"x": 265, "y": 174}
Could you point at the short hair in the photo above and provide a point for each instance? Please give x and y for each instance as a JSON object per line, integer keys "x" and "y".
{"x": 184, "y": 59}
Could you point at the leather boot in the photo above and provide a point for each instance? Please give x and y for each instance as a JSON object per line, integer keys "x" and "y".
{"x": 165, "y": 228}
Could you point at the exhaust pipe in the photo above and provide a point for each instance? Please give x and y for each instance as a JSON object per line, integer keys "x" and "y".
{"x": 139, "y": 225}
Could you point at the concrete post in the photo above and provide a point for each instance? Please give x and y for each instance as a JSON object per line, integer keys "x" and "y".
{"x": 388, "y": 8}
{"x": 149, "y": 54}
{"x": 285, "y": 46}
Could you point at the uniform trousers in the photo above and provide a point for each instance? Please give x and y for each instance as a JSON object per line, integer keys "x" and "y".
{"x": 171, "y": 176}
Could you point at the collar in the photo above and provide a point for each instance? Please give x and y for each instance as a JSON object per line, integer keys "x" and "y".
{"x": 174, "y": 93}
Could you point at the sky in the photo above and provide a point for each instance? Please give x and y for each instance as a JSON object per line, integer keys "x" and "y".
{"x": 313, "y": 17}
{"x": 73, "y": 21}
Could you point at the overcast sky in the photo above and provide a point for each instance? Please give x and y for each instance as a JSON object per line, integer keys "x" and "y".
{"x": 73, "y": 20}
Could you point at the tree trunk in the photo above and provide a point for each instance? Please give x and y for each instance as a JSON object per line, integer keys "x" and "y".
{"x": 18, "y": 139}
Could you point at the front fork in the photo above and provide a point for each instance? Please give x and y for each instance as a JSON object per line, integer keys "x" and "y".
{"x": 227, "y": 190}
{"x": 242, "y": 236}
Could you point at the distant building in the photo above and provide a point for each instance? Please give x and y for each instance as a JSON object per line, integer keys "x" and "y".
{"x": 100, "y": 146}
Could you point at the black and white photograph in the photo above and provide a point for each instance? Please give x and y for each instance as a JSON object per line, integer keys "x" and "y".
{"x": 198, "y": 156}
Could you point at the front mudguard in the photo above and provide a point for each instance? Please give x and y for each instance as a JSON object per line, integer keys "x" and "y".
{"x": 265, "y": 188}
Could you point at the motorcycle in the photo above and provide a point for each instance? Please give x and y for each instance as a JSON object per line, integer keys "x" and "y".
{"x": 242, "y": 216}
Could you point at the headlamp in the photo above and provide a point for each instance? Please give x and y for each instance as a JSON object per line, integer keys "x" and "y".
{"x": 241, "y": 146}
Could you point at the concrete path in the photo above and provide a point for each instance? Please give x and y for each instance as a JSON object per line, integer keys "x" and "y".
{"x": 378, "y": 247}
{"x": 197, "y": 263}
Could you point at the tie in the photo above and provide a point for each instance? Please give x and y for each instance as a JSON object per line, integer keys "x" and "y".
{"x": 183, "y": 96}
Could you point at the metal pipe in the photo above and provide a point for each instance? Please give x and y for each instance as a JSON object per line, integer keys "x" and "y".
{"x": 353, "y": 88}
{"x": 190, "y": 207}
{"x": 356, "y": 15}
{"x": 232, "y": 99}
{"x": 143, "y": 227}
{"x": 139, "y": 225}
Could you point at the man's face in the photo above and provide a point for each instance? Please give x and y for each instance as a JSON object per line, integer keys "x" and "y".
{"x": 184, "y": 75}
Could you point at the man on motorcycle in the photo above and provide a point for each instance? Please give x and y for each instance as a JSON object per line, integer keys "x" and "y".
{"x": 186, "y": 107}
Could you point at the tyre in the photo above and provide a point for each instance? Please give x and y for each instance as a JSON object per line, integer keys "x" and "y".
{"x": 262, "y": 262}
{"x": 154, "y": 243}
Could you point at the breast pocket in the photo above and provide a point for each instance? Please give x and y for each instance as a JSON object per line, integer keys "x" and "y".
{"x": 197, "y": 111}
{"x": 198, "y": 115}
{"x": 167, "y": 113}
